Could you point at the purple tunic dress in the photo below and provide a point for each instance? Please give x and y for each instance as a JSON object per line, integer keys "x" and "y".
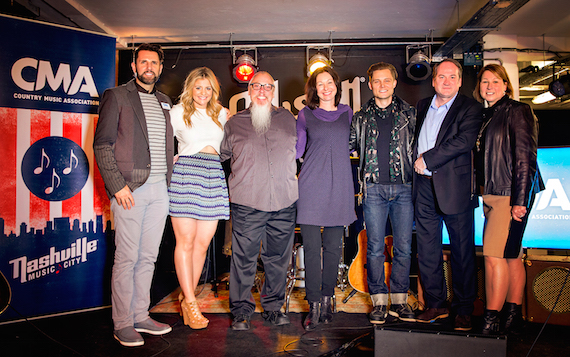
{"x": 326, "y": 189}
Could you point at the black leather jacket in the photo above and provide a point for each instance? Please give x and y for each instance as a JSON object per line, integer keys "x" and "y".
{"x": 506, "y": 154}
{"x": 364, "y": 132}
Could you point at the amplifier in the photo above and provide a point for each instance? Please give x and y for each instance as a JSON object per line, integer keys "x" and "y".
{"x": 547, "y": 289}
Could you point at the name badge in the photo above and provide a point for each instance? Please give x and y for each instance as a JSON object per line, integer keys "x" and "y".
{"x": 165, "y": 106}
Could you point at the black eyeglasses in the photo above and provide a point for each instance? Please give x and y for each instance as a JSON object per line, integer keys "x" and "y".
{"x": 258, "y": 86}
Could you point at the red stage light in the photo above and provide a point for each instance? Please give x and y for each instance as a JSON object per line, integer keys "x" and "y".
{"x": 244, "y": 69}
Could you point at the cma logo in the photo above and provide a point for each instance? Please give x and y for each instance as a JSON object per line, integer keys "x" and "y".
{"x": 553, "y": 196}
{"x": 82, "y": 80}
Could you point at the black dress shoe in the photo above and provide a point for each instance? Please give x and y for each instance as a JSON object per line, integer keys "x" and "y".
{"x": 462, "y": 323}
{"x": 326, "y": 310}
{"x": 276, "y": 318}
{"x": 432, "y": 314}
{"x": 312, "y": 319}
{"x": 241, "y": 323}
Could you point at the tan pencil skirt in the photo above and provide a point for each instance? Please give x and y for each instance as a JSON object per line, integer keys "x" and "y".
{"x": 502, "y": 236}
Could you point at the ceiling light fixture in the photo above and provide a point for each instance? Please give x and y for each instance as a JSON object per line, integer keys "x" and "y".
{"x": 543, "y": 98}
{"x": 245, "y": 66}
{"x": 418, "y": 67}
{"x": 316, "y": 62}
{"x": 560, "y": 87}
{"x": 319, "y": 60}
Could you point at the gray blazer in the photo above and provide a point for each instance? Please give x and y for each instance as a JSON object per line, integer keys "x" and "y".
{"x": 121, "y": 143}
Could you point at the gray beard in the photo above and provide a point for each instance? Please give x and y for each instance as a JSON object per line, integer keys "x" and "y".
{"x": 261, "y": 118}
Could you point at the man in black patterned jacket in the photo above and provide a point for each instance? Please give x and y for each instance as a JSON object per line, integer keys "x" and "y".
{"x": 383, "y": 133}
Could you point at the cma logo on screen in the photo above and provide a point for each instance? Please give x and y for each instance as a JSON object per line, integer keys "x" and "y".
{"x": 32, "y": 75}
{"x": 553, "y": 196}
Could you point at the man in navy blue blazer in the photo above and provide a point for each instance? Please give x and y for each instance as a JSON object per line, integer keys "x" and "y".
{"x": 444, "y": 191}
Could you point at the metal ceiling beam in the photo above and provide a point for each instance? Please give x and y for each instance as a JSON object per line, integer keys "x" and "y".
{"x": 561, "y": 65}
{"x": 485, "y": 20}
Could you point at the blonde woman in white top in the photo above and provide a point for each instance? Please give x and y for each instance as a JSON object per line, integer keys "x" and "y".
{"x": 198, "y": 191}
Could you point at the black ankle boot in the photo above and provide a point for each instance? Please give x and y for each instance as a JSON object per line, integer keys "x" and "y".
{"x": 326, "y": 309}
{"x": 513, "y": 318}
{"x": 312, "y": 319}
{"x": 491, "y": 322}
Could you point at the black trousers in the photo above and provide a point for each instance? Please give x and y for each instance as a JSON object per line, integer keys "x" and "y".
{"x": 321, "y": 274}
{"x": 429, "y": 225}
{"x": 269, "y": 235}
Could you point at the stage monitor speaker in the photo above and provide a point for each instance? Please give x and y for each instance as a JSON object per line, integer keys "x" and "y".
{"x": 547, "y": 289}
{"x": 398, "y": 342}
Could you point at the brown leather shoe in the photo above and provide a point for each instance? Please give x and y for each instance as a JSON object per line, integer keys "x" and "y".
{"x": 432, "y": 314}
{"x": 462, "y": 323}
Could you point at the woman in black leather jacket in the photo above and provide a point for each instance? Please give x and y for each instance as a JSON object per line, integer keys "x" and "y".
{"x": 508, "y": 178}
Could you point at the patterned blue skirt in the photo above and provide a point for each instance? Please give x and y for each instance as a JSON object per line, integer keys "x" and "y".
{"x": 198, "y": 188}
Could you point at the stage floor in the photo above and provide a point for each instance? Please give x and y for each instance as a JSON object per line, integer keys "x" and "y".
{"x": 90, "y": 334}
{"x": 209, "y": 303}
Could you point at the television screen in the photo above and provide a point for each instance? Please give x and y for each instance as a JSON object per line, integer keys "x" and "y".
{"x": 549, "y": 222}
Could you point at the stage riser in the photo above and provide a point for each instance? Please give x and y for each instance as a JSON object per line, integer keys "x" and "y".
{"x": 435, "y": 344}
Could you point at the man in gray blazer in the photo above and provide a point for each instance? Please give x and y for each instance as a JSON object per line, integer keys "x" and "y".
{"x": 134, "y": 148}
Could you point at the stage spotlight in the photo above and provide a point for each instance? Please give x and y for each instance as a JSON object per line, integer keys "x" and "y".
{"x": 316, "y": 62}
{"x": 560, "y": 87}
{"x": 418, "y": 67}
{"x": 245, "y": 68}
{"x": 543, "y": 98}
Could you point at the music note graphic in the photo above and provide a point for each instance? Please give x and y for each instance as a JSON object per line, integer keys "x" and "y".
{"x": 53, "y": 185}
{"x": 40, "y": 169}
{"x": 72, "y": 156}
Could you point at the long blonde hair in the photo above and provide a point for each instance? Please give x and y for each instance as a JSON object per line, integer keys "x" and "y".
{"x": 213, "y": 107}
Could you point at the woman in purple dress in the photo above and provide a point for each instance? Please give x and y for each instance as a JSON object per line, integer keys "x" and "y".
{"x": 326, "y": 191}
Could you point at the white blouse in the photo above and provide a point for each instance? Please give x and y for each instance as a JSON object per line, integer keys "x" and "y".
{"x": 203, "y": 132}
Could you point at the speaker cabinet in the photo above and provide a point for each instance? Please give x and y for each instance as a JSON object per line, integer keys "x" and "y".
{"x": 397, "y": 342}
{"x": 547, "y": 289}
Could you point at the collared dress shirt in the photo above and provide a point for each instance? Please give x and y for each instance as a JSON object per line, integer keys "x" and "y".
{"x": 263, "y": 167}
{"x": 431, "y": 125}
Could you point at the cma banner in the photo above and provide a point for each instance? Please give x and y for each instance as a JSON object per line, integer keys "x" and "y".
{"x": 549, "y": 220}
{"x": 54, "y": 212}
{"x": 53, "y": 68}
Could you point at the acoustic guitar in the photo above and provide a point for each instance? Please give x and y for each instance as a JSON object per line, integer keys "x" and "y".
{"x": 357, "y": 276}
{"x": 5, "y": 293}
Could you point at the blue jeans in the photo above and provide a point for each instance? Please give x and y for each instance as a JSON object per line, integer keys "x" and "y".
{"x": 382, "y": 201}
